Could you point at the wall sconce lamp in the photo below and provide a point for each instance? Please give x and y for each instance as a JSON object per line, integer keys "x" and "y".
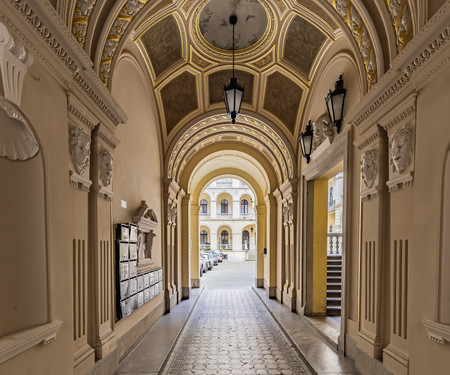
{"x": 335, "y": 103}
{"x": 306, "y": 142}
{"x": 251, "y": 229}
{"x": 233, "y": 93}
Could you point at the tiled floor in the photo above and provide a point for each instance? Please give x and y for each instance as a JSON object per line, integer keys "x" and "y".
{"x": 230, "y": 332}
{"x": 229, "y": 328}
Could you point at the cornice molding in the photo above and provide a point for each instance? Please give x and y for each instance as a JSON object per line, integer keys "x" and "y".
{"x": 368, "y": 138}
{"x": 50, "y": 29}
{"x": 413, "y": 59}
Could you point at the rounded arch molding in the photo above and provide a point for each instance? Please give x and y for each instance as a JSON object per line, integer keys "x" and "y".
{"x": 249, "y": 131}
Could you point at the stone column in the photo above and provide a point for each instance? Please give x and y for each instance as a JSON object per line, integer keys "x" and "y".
{"x": 279, "y": 250}
{"x": 270, "y": 259}
{"x": 185, "y": 247}
{"x": 81, "y": 123}
{"x": 194, "y": 238}
{"x": 101, "y": 264}
{"x": 258, "y": 243}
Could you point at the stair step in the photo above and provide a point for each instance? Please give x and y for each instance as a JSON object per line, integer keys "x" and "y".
{"x": 334, "y": 277}
{"x": 334, "y": 284}
{"x": 334, "y": 291}
{"x": 334, "y": 272}
{"x": 333, "y": 307}
{"x": 337, "y": 299}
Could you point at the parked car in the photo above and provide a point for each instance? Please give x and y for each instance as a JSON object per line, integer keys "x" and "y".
{"x": 214, "y": 257}
{"x": 209, "y": 261}
{"x": 219, "y": 255}
{"x": 202, "y": 265}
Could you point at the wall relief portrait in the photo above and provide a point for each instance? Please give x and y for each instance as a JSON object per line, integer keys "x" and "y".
{"x": 79, "y": 146}
{"x": 321, "y": 130}
{"x": 369, "y": 168}
{"x": 400, "y": 150}
{"x": 106, "y": 162}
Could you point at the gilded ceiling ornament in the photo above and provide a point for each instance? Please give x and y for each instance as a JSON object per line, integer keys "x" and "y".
{"x": 80, "y": 21}
{"x": 79, "y": 146}
{"x": 352, "y": 18}
{"x": 401, "y": 21}
{"x": 127, "y": 13}
{"x": 199, "y": 61}
{"x": 369, "y": 168}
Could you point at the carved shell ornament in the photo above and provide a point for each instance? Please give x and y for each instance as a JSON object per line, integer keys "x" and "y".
{"x": 17, "y": 141}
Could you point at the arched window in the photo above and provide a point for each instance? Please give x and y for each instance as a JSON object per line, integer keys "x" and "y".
{"x": 245, "y": 240}
{"x": 203, "y": 237}
{"x": 224, "y": 237}
{"x": 244, "y": 206}
{"x": 224, "y": 206}
{"x": 203, "y": 206}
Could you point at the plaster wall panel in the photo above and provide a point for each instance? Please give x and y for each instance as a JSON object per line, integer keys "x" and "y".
{"x": 137, "y": 158}
{"x": 51, "y": 253}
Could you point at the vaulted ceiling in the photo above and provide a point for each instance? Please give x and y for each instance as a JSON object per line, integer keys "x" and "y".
{"x": 280, "y": 46}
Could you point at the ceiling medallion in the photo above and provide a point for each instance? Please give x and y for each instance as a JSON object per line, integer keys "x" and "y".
{"x": 254, "y": 31}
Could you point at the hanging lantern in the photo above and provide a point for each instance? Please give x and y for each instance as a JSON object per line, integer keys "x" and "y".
{"x": 233, "y": 93}
{"x": 335, "y": 103}
{"x": 306, "y": 142}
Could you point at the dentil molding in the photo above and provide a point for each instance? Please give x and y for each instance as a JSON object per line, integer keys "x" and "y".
{"x": 437, "y": 332}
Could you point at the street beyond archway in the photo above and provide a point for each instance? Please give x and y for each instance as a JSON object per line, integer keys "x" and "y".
{"x": 230, "y": 275}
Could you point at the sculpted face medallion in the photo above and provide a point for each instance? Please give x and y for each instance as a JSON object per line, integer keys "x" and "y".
{"x": 369, "y": 167}
{"x": 106, "y": 162}
{"x": 79, "y": 148}
{"x": 400, "y": 150}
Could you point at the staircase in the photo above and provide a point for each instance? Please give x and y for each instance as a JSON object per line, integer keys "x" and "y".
{"x": 334, "y": 284}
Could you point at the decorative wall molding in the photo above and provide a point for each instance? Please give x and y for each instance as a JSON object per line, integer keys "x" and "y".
{"x": 322, "y": 131}
{"x": 81, "y": 17}
{"x": 369, "y": 194}
{"x": 51, "y": 30}
{"x": 14, "y": 63}
{"x": 16, "y": 343}
{"x": 368, "y": 138}
{"x": 79, "y": 114}
{"x": 105, "y": 194}
{"x": 397, "y": 355}
{"x": 400, "y": 15}
{"x": 437, "y": 332}
{"x": 79, "y": 182}
{"x": 105, "y": 166}
{"x": 406, "y": 66}
{"x": 400, "y": 182}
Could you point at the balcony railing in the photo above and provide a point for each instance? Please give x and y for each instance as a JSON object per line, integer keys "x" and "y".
{"x": 224, "y": 246}
{"x": 334, "y": 243}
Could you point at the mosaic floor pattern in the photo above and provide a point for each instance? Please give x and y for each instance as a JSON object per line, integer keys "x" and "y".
{"x": 231, "y": 332}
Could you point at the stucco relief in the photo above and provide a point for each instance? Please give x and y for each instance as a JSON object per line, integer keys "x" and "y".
{"x": 401, "y": 20}
{"x": 106, "y": 165}
{"x": 302, "y": 44}
{"x": 79, "y": 146}
{"x": 321, "y": 130}
{"x": 81, "y": 16}
{"x": 400, "y": 151}
{"x": 17, "y": 141}
{"x": 163, "y": 44}
{"x": 369, "y": 168}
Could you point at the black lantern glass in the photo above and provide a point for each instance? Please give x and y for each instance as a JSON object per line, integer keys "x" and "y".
{"x": 335, "y": 103}
{"x": 233, "y": 93}
{"x": 306, "y": 142}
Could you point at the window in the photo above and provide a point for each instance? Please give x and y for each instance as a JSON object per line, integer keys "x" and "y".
{"x": 203, "y": 237}
{"x": 245, "y": 240}
{"x": 203, "y": 206}
{"x": 224, "y": 206}
{"x": 224, "y": 237}
{"x": 244, "y": 206}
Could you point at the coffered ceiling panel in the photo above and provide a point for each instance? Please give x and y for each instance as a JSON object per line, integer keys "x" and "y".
{"x": 302, "y": 44}
{"x": 217, "y": 80}
{"x": 162, "y": 43}
{"x": 282, "y": 98}
{"x": 179, "y": 98}
{"x": 313, "y": 7}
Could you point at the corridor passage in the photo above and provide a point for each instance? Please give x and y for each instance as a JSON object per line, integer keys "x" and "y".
{"x": 231, "y": 332}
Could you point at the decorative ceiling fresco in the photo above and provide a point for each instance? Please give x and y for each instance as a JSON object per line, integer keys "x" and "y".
{"x": 282, "y": 99}
{"x": 302, "y": 33}
{"x": 217, "y": 80}
{"x": 280, "y": 47}
{"x": 162, "y": 43}
{"x": 216, "y": 28}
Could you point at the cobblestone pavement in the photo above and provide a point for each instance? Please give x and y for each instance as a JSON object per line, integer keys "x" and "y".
{"x": 231, "y": 332}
